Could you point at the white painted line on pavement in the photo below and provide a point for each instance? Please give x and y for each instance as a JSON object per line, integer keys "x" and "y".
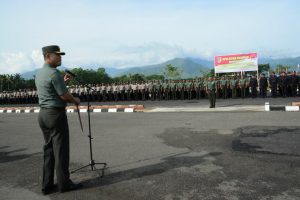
{"x": 128, "y": 110}
{"x": 291, "y": 108}
{"x": 112, "y": 110}
{"x": 267, "y": 106}
{"x": 205, "y": 109}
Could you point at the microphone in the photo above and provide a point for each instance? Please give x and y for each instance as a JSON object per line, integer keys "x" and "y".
{"x": 71, "y": 73}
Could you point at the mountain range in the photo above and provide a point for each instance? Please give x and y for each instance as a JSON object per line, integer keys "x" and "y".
{"x": 190, "y": 67}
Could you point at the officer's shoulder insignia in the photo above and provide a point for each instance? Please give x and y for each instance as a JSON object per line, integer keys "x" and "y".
{"x": 52, "y": 75}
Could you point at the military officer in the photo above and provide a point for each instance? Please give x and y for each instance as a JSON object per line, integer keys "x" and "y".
{"x": 211, "y": 92}
{"x": 233, "y": 86}
{"x": 242, "y": 83}
{"x": 223, "y": 85}
{"x": 53, "y": 96}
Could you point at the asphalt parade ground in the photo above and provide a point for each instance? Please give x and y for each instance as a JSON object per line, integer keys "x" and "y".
{"x": 164, "y": 155}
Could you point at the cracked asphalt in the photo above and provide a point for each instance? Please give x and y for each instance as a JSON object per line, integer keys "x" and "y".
{"x": 244, "y": 155}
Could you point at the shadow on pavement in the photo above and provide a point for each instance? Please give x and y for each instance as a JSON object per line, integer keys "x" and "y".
{"x": 266, "y": 139}
{"x": 8, "y": 156}
{"x": 168, "y": 163}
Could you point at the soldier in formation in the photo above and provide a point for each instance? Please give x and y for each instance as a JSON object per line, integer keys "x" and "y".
{"x": 285, "y": 85}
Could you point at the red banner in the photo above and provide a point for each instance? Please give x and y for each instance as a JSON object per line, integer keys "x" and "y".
{"x": 236, "y": 63}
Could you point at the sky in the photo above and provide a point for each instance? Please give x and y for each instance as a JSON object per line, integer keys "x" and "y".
{"x": 123, "y": 33}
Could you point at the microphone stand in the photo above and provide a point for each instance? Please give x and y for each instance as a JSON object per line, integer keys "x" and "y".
{"x": 92, "y": 162}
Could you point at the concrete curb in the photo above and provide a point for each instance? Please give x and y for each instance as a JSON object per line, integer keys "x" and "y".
{"x": 82, "y": 109}
{"x": 268, "y": 107}
{"x": 206, "y": 109}
{"x": 140, "y": 108}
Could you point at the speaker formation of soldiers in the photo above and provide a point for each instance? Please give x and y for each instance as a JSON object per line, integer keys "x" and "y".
{"x": 283, "y": 85}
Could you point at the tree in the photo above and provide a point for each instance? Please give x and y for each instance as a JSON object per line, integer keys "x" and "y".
{"x": 155, "y": 77}
{"x": 12, "y": 82}
{"x": 263, "y": 68}
{"x": 123, "y": 78}
{"x": 137, "y": 77}
{"x": 90, "y": 76}
{"x": 172, "y": 72}
{"x": 102, "y": 76}
{"x": 209, "y": 73}
{"x": 281, "y": 68}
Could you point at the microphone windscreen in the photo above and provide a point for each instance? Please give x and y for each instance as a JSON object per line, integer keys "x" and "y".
{"x": 71, "y": 73}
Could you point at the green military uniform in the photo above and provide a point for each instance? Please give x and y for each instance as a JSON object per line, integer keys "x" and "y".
{"x": 243, "y": 87}
{"x": 166, "y": 89}
{"x": 198, "y": 86}
{"x": 247, "y": 86}
{"x": 223, "y": 84}
{"x": 211, "y": 92}
{"x": 189, "y": 88}
{"x": 54, "y": 124}
{"x": 179, "y": 87}
{"x": 182, "y": 91}
{"x": 158, "y": 88}
{"x": 233, "y": 84}
{"x": 205, "y": 87}
{"x": 172, "y": 88}
{"x": 218, "y": 92}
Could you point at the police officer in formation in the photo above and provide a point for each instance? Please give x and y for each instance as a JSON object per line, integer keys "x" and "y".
{"x": 273, "y": 82}
{"x": 21, "y": 96}
{"x": 282, "y": 84}
{"x": 253, "y": 86}
{"x": 293, "y": 82}
{"x": 263, "y": 85}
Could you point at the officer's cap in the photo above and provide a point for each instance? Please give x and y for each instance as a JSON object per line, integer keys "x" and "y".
{"x": 52, "y": 49}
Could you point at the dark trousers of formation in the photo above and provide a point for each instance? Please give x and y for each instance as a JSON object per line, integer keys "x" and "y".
{"x": 212, "y": 98}
{"x": 19, "y": 100}
{"x": 158, "y": 95}
{"x": 143, "y": 95}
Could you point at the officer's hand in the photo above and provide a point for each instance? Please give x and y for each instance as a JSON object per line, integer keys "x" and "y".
{"x": 77, "y": 100}
{"x": 67, "y": 77}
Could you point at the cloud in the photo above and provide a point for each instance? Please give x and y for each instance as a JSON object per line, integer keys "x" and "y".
{"x": 136, "y": 55}
{"x": 121, "y": 57}
{"x": 151, "y": 53}
{"x": 11, "y": 63}
{"x": 37, "y": 58}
